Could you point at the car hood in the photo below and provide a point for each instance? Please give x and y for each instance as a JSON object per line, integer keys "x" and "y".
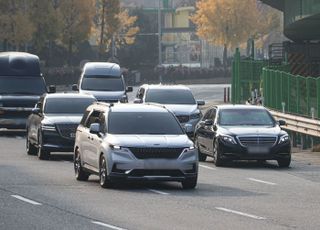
{"x": 250, "y": 130}
{"x": 62, "y": 119}
{"x": 182, "y": 109}
{"x": 155, "y": 141}
{"x": 18, "y": 101}
{"x": 105, "y": 95}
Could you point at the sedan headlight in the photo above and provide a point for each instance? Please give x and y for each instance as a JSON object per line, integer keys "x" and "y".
{"x": 284, "y": 138}
{"x": 48, "y": 127}
{"x": 195, "y": 116}
{"x": 228, "y": 139}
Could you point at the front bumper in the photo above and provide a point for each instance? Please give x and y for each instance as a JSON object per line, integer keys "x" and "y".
{"x": 125, "y": 166}
{"x": 53, "y": 142}
{"x": 238, "y": 152}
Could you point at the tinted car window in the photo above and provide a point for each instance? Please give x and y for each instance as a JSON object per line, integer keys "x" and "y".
{"x": 65, "y": 106}
{"x": 143, "y": 123}
{"x": 94, "y": 118}
{"x": 245, "y": 117}
{"x": 22, "y": 85}
{"x": 170, "y": 96}
{"x": 102, "y": 83}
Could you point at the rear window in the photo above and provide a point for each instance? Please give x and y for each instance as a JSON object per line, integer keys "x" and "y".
{"x": 170, "y": 96}
{"x": 102, "y": 83}
{"x": 22, "y": 85}
{"x": 67, "y": 105}
{"x": 143, "y": 123}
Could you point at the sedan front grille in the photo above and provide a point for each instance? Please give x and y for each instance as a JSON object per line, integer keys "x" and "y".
{"x": 183, "y": 119}
{"x": 67, "y": 130}
{"x": 149, "y": 153}
{"x": 249, "y": 141}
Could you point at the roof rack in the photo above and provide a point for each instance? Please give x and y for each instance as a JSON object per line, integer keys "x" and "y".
{"x": 104, "y": 103}
{"x": 155, "y": 104}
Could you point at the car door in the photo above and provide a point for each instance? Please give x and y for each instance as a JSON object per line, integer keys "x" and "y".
{"x": 81, "y": 134}
{"x": 96, "y": 141}
{"x": 202, "y": 132}
{"x": 211, "y": 132}
{"x": 34, "y": 122}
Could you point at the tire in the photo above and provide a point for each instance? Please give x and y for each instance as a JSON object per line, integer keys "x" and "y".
{"x": 189, "y": 183}
{"x": 284, "y": 162}
{"x": 78, "y": 170}
{"x": 218, "y": 161}
{"x": 202, "y": 157}
{"x": 42, "y": 154}
{"x": 31, "y": 149}
{"x": 103, "y": 174}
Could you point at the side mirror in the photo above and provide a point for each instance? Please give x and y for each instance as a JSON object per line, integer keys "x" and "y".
{"x": 200, "y": 102}
{"x": 282, "y": 122}
{"x": 95, "y": 128}
{"x": 52, "y": 89}
{"x": 188, "y": 128}
{"x": 208, "y": 122}
{"x": 75, "y": 87}
{"x": 35, "y": 111}
{"x": 137, "y": 101}
{"x": 129, "y": 89}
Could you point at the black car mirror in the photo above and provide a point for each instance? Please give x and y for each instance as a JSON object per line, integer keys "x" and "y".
{"x": 52, "y": 89}
{"x": 137, "y": 101}
{"x": 282, "y": 122}
{"x": 75, "y": 87}
{"x": 208, "y": 122}
{"x": 95, "y": 128}
{"x": 35, "y": 111}
{"x": 129, "y": 89}
{"x": 200, "y": 102}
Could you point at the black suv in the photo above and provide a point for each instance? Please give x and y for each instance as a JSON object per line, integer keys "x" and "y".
{"x": 240, "y": 132}
{"x": 52, "y": 125}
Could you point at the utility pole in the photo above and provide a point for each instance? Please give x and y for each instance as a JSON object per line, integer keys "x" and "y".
{"x": 159, "y": 40}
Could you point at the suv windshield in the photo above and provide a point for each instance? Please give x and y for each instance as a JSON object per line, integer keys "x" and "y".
{"x": 67, "y": 105}
{"x": 170, "y": 96}
{"x": 22, "y": 85}
{"x": 102, "y": 83}
{"x": 245, "y": 117}
{"x": 156, "y": 123}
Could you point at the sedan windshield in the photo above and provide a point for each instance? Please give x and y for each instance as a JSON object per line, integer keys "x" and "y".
{"x": 245, "y": 117}
{"x": 144, "y": 123}
{"x": 67, "y": 105}
{"x": 170, "y": 96}
{"x": 22, "y": 85}
{"x": 102, "y": 83}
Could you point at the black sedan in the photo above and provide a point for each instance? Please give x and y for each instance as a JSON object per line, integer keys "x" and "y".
{"x": 52, "y": 125}
{"x": 242, "y": 132}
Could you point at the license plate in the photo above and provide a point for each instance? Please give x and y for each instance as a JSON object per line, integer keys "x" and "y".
{"x": 72, "y": 135}
{"x": 258, "y": 150}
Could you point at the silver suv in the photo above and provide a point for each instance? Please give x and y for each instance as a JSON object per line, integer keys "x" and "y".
{"x": 134, "y": 142}
{"x": 177, "y": 98}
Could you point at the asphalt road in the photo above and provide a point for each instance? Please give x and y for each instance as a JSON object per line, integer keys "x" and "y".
{"x": 38, "y": 194}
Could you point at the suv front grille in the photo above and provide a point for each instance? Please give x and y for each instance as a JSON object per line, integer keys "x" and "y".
{"x": 257, "y": 140}
{"x": 148, "y": 153}
{"x": 183, "y": 119}
{"x": 67, "y": 130}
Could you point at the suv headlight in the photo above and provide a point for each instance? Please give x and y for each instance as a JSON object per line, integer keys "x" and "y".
{"x": 284, "y": 138}
{"x": 195, "y": 116}
{"x": 48, "y": 127}
{"x": 228, "y": 139}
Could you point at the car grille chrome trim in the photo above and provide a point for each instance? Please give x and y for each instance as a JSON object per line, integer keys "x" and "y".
{"x": 247, "y": 141}
{"x": 66, "y": 130}
{"x": 149, "y": 153}
{"x": 183, "y": 118}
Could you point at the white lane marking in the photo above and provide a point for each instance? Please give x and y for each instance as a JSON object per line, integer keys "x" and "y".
{"x": 26, "y": 200}
{"x": 107, "y": 225}
{"x": 207, "y": 167}
{"x": 241, "y": 213}
{"x": 262, "y": 181}
{"x": 158, "y": 192}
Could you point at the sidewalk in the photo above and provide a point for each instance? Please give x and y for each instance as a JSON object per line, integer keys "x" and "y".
{"x": 312, "y": 158}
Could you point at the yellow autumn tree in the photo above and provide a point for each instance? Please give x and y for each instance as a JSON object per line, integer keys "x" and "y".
{"x": 232, "y": 22}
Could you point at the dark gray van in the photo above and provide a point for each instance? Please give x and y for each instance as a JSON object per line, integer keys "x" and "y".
{"x": 21, "y": 85}
{"x": 104, "y": 81}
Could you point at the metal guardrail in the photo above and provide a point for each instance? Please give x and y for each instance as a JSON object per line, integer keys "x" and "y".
{"x": 298, "y": 124}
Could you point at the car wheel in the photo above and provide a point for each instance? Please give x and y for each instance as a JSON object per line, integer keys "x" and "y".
{"x": 42, "y": 154}
{"x": 78, "y": 170}
{"x": 202, "y": 157}
{"x": 284, "y": 162}
{"x": 189, "y": 183}
{"x": 31, "y": 149}
{"x": 218, "y": 161}
{"x": 103, "y": 174}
